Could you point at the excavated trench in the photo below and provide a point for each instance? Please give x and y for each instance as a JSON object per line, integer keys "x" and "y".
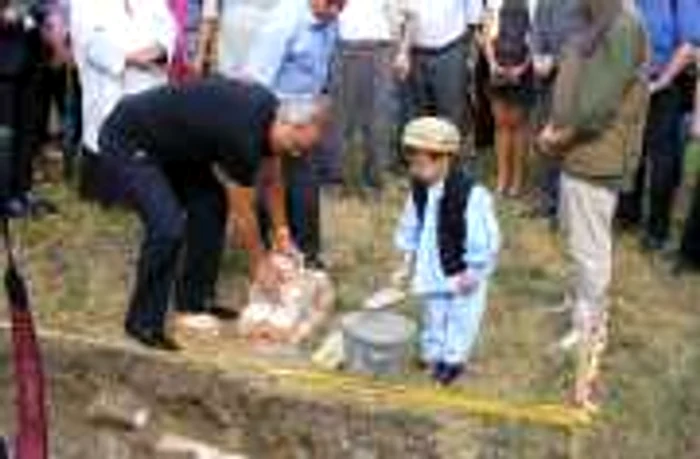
{"x": 241, "y": 413}
{"x": 236, "y": 413}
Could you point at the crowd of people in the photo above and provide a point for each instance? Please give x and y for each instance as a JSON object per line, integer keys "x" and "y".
{"x": 349, "y": 94}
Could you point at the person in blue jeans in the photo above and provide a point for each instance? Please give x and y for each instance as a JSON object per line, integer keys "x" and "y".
{"x": 449, "y": 236}
{"x": 291, "y": 55}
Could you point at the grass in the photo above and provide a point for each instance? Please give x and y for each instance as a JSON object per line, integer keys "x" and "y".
{"x": 80, "y": 267}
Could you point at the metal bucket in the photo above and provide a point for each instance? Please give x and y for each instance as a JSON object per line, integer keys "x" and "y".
{"x": 376, "y": 342}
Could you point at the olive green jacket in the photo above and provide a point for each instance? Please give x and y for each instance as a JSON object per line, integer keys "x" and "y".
{"x": 603, "y": 100}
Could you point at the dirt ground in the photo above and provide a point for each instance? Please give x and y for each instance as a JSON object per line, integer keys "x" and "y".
{"x": 79, "y": 265}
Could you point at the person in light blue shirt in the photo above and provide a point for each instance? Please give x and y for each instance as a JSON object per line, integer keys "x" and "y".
{"x": 673, "y": 28}
{"x": 450, "y": 237}
{"x": 291, "y": 55}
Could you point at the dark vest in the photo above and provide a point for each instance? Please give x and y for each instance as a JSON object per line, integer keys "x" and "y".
{"x": 452, "y": 227}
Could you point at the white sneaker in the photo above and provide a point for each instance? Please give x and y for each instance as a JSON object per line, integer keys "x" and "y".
{"x": 201, "y": 323}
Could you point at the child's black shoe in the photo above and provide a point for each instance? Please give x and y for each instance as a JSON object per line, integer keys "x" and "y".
{"x": 439, "y": 369}
{"x": 449, "y": 374}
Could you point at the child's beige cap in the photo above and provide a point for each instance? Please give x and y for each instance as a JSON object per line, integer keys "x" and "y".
{"x": 433, "y": 134}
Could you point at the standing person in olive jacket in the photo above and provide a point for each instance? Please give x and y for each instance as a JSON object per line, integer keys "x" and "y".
{"x": 595, "y": 128}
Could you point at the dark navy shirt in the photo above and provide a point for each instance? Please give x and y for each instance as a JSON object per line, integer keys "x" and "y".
{"x": 216, "y": 121}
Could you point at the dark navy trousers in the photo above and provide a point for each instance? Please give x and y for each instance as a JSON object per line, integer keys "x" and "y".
{"x": 182, "y": 207}
{"x": 661, "y": 171}
{"x": 690, "y": 242}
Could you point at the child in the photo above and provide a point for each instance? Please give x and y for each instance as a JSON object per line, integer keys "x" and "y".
{"x": 450, "y": 238}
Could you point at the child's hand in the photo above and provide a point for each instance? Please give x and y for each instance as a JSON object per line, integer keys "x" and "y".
{"x": 464, "y": 283}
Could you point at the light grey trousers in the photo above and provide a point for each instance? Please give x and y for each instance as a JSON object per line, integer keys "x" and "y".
{"x": 587, "y": 212}
{"x": 365, "y": 101}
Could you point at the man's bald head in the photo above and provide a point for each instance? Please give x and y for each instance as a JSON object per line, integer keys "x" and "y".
{"x": 300, "y": 124}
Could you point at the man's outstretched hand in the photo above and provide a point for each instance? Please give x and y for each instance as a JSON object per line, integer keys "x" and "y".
{"x": 267, "y": 276}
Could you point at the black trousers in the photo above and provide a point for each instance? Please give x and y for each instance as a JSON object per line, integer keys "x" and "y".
{"x": 19, "y": 115}
{"x": 183, "y": 210}
{"x": 60, "y": 85}
{"x": 52, "y": 90}
{"x": 661, "y": 169}
{"x": 690, "y": 242}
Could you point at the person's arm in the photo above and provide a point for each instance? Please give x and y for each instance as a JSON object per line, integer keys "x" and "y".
{"x": 164, "y": 30}
{"x": 275, "y": 197}
{"x": 589, "y": 93}
{"x": 490, "y": 35}
{"x": 243, "y": 219}
{"x": 541, "y": 36}
{"x": 103, "y": 42}
{"x": 206, "y": 35}
{"x": 406, "y": 240}
{"x": 681, "y": 59}
{"x": 687, "y": 14}
{"x": 94, "y": 36}
{"x": 408, "y": 228}
{"x": 541, "y": 29}
{"x": 483, "y": 240}
{"x": 404, "y": 23}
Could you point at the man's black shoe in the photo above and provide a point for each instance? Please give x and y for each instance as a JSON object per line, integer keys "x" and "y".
{"x": 153, "y": 339}
{"x": 224, "y": 314}
{"x": 681, "y": 267}
{"x": 438, "y": 370}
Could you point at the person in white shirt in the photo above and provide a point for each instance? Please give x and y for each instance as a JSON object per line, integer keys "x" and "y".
{"x": 373, "y": 39}
{"x": 438, "y": 73}
{"x": 121, "y": 47}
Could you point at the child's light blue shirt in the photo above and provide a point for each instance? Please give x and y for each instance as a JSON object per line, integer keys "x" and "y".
{"x": 482, "y": 244}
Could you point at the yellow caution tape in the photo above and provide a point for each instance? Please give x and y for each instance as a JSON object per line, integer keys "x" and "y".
{"x": 431, "y": 399}
{"x": 372, "y": 392}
